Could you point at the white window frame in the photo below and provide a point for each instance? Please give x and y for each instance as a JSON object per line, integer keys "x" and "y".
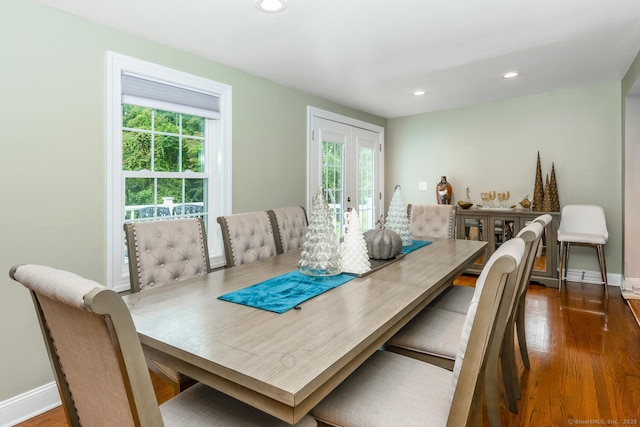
{"x": 217, "y": 159}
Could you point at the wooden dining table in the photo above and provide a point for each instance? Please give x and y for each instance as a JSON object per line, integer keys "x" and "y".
{"x": 284, "y": 364}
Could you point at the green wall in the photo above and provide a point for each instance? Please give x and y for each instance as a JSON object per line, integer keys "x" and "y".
{"x": 494, "y": 147}
{"x": 53, "y": 156}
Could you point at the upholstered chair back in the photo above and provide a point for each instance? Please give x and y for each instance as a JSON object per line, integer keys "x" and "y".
{"x": 432, "y": 220}
{"x": 247, "y": 237}
{"x": 166, "y": 251}
{"x": 289, "y": 227}
{"x": 87, "y": 329}
{"x": 495, "y": 288}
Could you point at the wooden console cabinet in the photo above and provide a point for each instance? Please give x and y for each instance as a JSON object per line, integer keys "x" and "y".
{"x": 496, "y": 226}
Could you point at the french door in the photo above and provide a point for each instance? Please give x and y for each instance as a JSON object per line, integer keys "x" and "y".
{"x": 345, "y": 160}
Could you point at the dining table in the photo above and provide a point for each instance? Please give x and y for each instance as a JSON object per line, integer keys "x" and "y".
{"x": 286, "y": 363}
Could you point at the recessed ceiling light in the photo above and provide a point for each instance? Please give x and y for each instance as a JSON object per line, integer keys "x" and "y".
{"x": 419, "y": 93}
{"x": 510, "y": 75}
{"x": 271, "y": 6}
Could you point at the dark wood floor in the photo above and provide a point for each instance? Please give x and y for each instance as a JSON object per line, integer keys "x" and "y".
{"x": 585, "y": 362}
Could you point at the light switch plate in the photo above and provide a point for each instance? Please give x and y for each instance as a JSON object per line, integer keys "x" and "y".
{"x": 422, "y": 185}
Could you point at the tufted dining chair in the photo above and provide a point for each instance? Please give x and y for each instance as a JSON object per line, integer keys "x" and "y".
{"x": 247, "y": 237}
{"x": 164, "y": 252}
{"x": 582, "y": 225}
{"x": 390, "y": 389}
{"x": 99, "y": 364}
{"x": 432, "y": 220}
{"x": 289, "y": 227}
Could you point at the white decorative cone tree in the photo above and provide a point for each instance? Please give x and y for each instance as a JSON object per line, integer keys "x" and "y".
{"x": 321, "y": 249}
{"x": 397, "y": 219}
{"x": 355, "y": 258}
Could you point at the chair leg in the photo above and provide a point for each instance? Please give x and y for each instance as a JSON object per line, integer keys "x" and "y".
{"x": 603, "y": 269}
{"x": 563, "y": 248}
{"x": 509, "y": 369}
{"x": 491, "y": 393}
{"x": 522, "y": 337}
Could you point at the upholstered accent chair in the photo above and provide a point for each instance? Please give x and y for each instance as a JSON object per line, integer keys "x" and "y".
{"x": 432, "y": 220}
{"x": 166, "y": 251}
{"x": 289, "y": 227}
{"x": 99, "y": 364}
{"x": 582, "y": 225}
{"x": 392, "y": 389}
{"x": 247, "y": 237}
{"x": 161, "y": 253}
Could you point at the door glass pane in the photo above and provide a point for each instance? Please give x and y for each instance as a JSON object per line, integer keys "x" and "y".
{"x": 366, "y": 188}
{"x": 333, "y": 179}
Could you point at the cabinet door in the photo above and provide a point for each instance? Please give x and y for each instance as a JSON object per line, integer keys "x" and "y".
{"x": 473, "y": 228}
{"x": 503, "y": 228}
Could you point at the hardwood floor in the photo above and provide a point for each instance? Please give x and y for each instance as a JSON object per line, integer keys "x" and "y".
{"x": 585, "y": 362}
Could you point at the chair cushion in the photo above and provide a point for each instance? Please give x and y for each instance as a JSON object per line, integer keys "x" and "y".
{"x": 432, "y": 221}
{"x": 389, "y": 390}
{"x": 456, "y": 299}
{"x": 200, "y": 405}
{"x": 433, "y": 331}
{"x": 589, "y": 238}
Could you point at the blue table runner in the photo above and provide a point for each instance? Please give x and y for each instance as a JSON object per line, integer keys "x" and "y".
{"x": 416, "y": 244}
{"x": 284, "y": 292}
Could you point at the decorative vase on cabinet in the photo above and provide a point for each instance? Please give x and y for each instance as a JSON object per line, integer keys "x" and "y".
{"x": 444, "y": 191}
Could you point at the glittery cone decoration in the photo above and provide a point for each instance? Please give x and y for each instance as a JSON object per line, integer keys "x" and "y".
{"x": 355, "y": 258}
{"x": 553, "y": 189}
{"x": 397, "y": 219}
{"x": 321, "y": 249}
{"x": 546, "y": 202}
{"x": 538, "y": 191}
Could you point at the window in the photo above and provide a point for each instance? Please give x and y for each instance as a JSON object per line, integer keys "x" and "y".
{"x": 168, "y": 153}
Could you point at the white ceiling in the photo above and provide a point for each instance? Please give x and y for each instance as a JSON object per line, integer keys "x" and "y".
{"x": 372, "y": 54}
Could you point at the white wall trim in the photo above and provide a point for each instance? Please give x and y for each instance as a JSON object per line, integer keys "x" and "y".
{"x": 29, "y": 404}
{"x": 631, "y": 283}
{"x": 592, "y": 277}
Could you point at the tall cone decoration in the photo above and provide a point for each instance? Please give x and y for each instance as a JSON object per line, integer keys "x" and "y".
{"x": 397, "y": 219}
{"x": 553, "y": 189}
{"x": 538, "y": 191}
{"x": 546, "y": 202}
{"x": 321, "y": 249}
{"x": 355, "y": 258}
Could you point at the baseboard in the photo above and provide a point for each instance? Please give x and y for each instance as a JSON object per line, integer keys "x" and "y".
{"x": 586, "y": 276}
{"x": 631, "y": 284}
{"x": 27, "y": 405}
